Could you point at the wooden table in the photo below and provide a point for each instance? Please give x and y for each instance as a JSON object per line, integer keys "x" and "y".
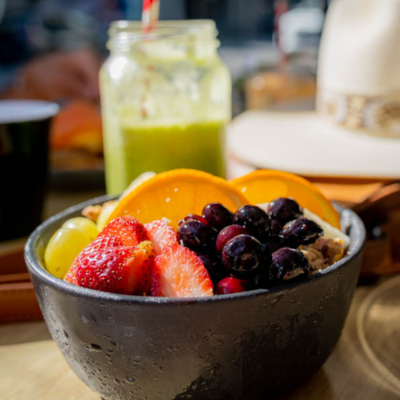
{"x": 32, "y": 368}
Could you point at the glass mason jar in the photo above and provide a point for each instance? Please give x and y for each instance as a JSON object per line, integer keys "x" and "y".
{"x": 166, "y": 100}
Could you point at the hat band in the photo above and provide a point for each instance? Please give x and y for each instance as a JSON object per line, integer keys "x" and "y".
{"x": 374, "y": 115}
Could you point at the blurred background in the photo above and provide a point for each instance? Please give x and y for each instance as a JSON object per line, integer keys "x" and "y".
{"x": 256, "y": 35}
{"x": 53, "y": 49}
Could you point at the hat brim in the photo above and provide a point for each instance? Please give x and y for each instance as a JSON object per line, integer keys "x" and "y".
{"x": 300, "y": 142}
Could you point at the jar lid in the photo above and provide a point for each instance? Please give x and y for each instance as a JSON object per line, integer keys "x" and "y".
{"x": 124, "y": 34}
{"x": 14, "y": 111}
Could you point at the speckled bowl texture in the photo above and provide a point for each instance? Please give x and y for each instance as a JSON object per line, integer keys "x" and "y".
{"x": 253, "y": 345}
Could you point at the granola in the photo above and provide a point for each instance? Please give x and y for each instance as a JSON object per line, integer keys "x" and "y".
{"x": 322, "y": 253}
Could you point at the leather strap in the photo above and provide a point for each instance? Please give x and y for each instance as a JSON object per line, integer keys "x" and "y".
{"x": 380, "y": 213}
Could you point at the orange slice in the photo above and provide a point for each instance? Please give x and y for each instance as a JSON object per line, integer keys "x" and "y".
{"x": 266, "y": 185}
{"x": 177, "y": 193}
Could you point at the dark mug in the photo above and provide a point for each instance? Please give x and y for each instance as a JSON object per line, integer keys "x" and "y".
{"x": 24, "y": 151}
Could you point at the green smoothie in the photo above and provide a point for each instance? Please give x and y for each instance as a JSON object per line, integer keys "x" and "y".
{"x": 160, "y": 148}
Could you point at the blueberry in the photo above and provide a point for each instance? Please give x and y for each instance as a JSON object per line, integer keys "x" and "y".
{"x": 214, "y": 266}
{"x": 230, "y": 285}
{"x": 192, "y": 217}
{"x": 284, "y": 210}
{"x": 255, "y": 220}
{"x": 243, "y": 257}
{"x": 228, "y": 233}
{"x": 301, "y": 231}
{"x": 276, "y": 227}
{"x": 273, "y": 244}
{"x": 197, "y": 236}
{"x": 261, "y": 281}
{"x": 217, "y": 215}
{"x": 289, "y": 264}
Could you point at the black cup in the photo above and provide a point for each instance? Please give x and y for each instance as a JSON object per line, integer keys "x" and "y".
{"x": 24, "y": 149}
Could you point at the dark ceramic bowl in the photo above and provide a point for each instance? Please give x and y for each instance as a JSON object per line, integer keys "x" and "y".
{"x": 250, "y": 345}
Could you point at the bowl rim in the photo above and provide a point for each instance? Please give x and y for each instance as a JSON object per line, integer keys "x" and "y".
{"x": 35, "y": 269}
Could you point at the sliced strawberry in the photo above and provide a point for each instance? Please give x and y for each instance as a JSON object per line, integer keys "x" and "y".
{"x": 178, "y": 272}
{"x": 128, "y": 229}
{"x": 111, "y": 269}
{"x": 161, "y": 234}
{"x": 146, "y": 268}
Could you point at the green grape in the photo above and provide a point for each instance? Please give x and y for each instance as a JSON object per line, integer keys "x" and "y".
{"x": 63, "y": 248}
{"x": 105, "y": 213}
{"x": 83, "y": 224}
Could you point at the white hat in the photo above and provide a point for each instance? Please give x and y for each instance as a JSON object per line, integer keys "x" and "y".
{"x": 356, "y": 129}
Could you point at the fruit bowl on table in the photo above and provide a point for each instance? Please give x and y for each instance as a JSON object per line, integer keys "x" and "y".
{"x": 255, "y": 344}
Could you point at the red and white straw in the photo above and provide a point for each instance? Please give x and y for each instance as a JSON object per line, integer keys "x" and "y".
{"x": 151, "y": 10}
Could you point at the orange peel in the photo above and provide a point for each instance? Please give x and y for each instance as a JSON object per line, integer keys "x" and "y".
{"x": 263, "y": 186}
{"x": 177, "y": 193}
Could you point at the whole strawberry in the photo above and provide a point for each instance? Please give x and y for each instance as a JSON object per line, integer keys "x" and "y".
{"x": 103, "y": 242}
{"x": 128, "y": 229}
{"x": 121, "y": 269}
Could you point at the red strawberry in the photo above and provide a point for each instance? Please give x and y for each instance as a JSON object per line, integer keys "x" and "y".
{"x": 178, "y": 272}
{"x": 161, "y": 234}
{"x": 103, "y": 242}
{"x": 110, "y": 269}
{"x": 127, "y": 228}
{"x": 98, "y": 245}
{"x": 146, "y": 268}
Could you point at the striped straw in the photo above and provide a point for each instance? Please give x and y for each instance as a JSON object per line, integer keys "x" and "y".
{"x": 150, "y": 14}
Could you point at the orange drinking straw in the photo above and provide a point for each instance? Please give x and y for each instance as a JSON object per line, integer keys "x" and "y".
{"x": 151, "y": 9}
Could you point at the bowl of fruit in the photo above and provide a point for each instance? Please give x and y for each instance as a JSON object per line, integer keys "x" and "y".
{"x": 191, "y": 286}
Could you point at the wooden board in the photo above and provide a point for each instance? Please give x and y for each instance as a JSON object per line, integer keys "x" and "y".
{"x": 17, "y": 297}
{"x": 37, "y": 371}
